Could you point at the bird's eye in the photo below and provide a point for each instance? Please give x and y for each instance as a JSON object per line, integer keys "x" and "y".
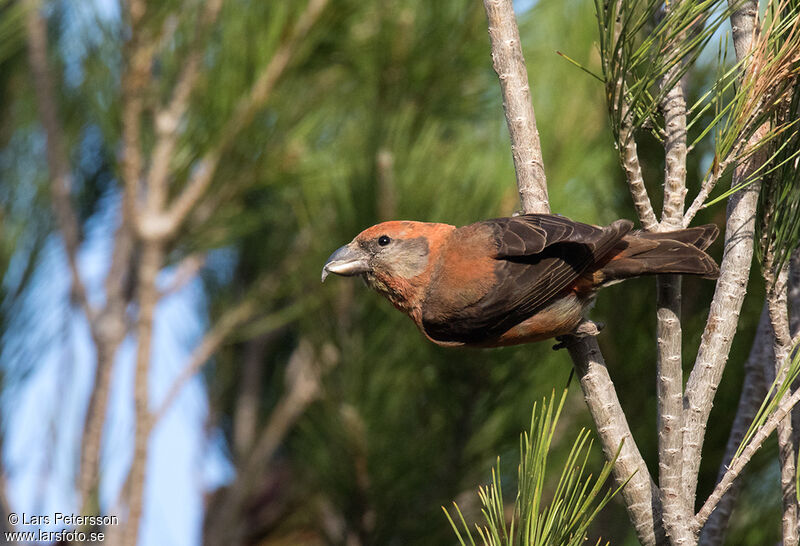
{"x": 384, "y": 240}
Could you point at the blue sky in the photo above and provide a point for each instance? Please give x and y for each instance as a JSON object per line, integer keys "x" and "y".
{"x": 49, "y": 345}
{"x": 44, "y": 416}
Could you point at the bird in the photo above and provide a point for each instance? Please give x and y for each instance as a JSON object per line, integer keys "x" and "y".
{"x": 511, "y": 280}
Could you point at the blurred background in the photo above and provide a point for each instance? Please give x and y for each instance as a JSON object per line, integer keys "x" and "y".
{"x": 322, "y": 417}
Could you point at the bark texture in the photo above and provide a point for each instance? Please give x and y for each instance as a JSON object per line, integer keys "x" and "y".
{"x": 509, "y": 64}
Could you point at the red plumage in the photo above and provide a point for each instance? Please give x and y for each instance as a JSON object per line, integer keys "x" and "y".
{"x": 511, "y": 280}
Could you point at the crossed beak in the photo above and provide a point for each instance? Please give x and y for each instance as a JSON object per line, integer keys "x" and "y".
{"x": 346, "y": 261}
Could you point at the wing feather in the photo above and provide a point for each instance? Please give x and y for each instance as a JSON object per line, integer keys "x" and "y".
{"x": 537, "y": 257}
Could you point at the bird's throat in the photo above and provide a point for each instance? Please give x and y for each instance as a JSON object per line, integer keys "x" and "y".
{"x": 405, "y": 294}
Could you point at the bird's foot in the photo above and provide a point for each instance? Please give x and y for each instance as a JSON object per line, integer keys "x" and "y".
{"x": 584, "y": 329}
{"x": 563, "y": 342}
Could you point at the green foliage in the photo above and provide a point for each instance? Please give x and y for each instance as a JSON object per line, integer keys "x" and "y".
{"x": 645, "y": 52}
{"x": 386, "y": 110}
{"x": 576, "y": 501}
{"x": 779, "y": 201}
{"x": 775, "y": 394}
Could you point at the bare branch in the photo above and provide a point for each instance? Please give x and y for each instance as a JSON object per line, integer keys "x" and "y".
{"x": 168, "y": 119}
{"x": 753, "y": 392}
{"x": 57, "y": 157}
{"x": 723, "y": 314}
{"x": 677, "y": 509}
{"x": 721, "y": 324}
{"x": 629, "y": 158}
{"x": 303, "y": 383}
{"x": 741, "y": 461}
{"x": 232, "y": 319}
{"x": 186, "y": 270}
{"x": 152, "y": 258}
{"x": 105, "y": 331}
{"x": 674, "y": 107}
{"x": 705, "y": 190}
{"x": 247, "y": 107}
{"x": 669, "y": 388}
{"x": 628, "y": 152}
{"x": 743, "y": 26}
{"x": 111, "y": 325}
{"x": 641, "y": 495}
{"x": 777, "y": 306}
{"x": 509, "y": 64}
{"x": 248, "y": 402}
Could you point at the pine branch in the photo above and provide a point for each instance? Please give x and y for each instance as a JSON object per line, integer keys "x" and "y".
{"x": 741, "y": 461}
{"x": 669, "y": 383}
{"x": 303, "y": 385}
{"x": 243, "y": 114}
{"x": 778, "y": 310}
{"x": 641, "y": 495}
{"x": 753, "y": 392}
{"x": 509, "y": 64}
{"x": 211, "y": 342}
{"x": 57, "y": 155}
{"x": 629, "y": 154}
{"x": 168, "y": 119}
{"x": 674, "y": 108}
{"x": 669, "y": 389}
{"x": 725, "y": 307}
{"x": 629, "y": 159}
{"x": 151, "y": 261}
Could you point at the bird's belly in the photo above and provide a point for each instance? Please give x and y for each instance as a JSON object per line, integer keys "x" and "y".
{"x": 559, "y": 318}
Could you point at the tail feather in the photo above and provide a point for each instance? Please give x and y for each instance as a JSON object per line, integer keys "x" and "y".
{"x": 699, "y": 236}
{"x": 675, "y": 252}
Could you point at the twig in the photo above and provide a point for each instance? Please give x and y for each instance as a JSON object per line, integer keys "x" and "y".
{"x": 232, "y": 319}
{"x": 728, "y": 297}
{"x": 705, "y": 190}
{"x": 248, "y": 402}
{"x": 57, "y": 157}
{"x": 185, "y": 271}
{"x": 303, "y": 382}
{"x": 629, "y": 159}
{"x": 509, "y": 64}
{"x": 674, "y": 107}
{"x": 245, "y": 110}
{"x": 168, "y": 119}
{"x": 641, "y": 495}
{"x": 741, "y": 461}
{"x": 753, "y": 391}
{"x": 628, "y": 152}
{"x": 779, "y": 319}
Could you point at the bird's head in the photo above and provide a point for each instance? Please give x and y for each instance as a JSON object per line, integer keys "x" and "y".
{"x": 394, "y": 258}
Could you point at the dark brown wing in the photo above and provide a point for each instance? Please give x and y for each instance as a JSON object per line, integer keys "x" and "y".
{"x": 537, "y": 256}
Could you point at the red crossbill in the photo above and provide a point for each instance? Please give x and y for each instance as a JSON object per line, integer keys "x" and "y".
{"x": 511, "y": 280}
